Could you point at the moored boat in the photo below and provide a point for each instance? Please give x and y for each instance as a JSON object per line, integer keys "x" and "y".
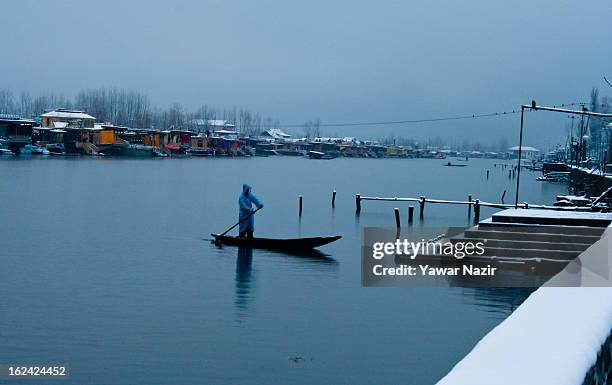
{"x": 130, "y": 150}
{"x": 555, "y": 176}
{"x": 200, "y": 151}
{"x": 25, "y": 150}
{"x": 319, "y": 155}
{"x": 38, "y": 150}
{"x": 157, "y": 153}
{"x": 56, "y": 149}
{"x": 179, "y": 151}
{"x": 275, "y": 243}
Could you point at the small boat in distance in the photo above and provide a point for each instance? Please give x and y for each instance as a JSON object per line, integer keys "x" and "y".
{"x": 275, "y": 243}
{"x": 449, "y": 164}
{"x": 555, "y": 176}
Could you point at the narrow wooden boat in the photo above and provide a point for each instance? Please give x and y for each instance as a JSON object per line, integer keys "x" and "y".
{"x": 275, "y": 244}
{"x": 319, "y": 155}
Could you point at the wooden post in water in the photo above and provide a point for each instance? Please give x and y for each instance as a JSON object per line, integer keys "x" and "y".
{"x": 487, "y": 174}
{"x": 301, "y": 199}
{"x": 334, "y": 198}
{"x": 526, "y": 205}
{"x": 477, "y": 211}
{"x": 422, "y": 206}
{"x": 397, "y": 218}
{"x": 358, "y": 203}
{"x": 503, "y": 196}
{"x": 469, "y": 206}
{"x": 410, "y": 213}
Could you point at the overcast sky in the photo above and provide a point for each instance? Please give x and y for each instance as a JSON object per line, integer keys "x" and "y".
{"x": 337, "y": 60}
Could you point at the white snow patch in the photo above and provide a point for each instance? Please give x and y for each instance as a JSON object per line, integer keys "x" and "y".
{"x": 552, "y": 338}
{"x": 558, "y": 214}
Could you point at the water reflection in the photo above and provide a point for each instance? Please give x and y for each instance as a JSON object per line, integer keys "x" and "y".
{"x": 313, "y": 260}
{"x": 244, "y": 270}
{"x": 500, "y": 302}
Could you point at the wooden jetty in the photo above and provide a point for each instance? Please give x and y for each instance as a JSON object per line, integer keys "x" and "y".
{"x": 474, "y": 204}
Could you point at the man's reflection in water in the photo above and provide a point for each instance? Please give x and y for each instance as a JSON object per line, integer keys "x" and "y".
{"x": 244, "y": 267}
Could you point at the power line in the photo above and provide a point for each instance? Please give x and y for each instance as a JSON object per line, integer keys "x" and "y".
{"x": 427, "y": 120}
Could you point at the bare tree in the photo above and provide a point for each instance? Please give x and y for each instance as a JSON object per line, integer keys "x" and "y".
{"x": 7, "y": 102}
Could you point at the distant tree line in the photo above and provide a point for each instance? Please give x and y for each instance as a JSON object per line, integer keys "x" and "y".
{"x": 132, "y": 109}
{"x": 502, "y": 145}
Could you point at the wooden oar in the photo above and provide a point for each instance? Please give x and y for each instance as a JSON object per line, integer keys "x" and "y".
{"x": 242, "y": 220}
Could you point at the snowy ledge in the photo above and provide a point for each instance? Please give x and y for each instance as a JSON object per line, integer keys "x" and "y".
{"x": 554, "y": 337}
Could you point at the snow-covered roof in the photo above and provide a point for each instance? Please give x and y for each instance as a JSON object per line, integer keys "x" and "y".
{"x": 60, "y": 124}
{"x": 198, "y": 122}
{"x": 225, "y": 132}
{"x": 220, "y": 123}
{"x": 524, "y": 149}
{"x": 67, "y": 114}
{"x": 326, "y": 140}
{"x": 10, "y": 117}
{"x": 276, "y": 133}
{"x": 216, "y": 122}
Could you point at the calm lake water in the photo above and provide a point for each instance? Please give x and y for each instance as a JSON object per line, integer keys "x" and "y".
{"x": 103, "y": 266}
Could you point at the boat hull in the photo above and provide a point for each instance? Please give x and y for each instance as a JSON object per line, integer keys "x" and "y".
{"x": 276, "y": 244}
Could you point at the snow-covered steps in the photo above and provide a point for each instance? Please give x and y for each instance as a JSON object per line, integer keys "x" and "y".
{"x": 501, "y": 233}
{"x": 524, "y": 244}
{"x": 553, "y": 217}
{"x": 540, "y": 228}
{"x": 533, "y": 234}
{"x": 559, "y": 335}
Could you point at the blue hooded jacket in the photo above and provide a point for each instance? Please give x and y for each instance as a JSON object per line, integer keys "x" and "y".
{"x": 247, "y": 198}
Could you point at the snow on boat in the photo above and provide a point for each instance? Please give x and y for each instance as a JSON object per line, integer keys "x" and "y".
{"x": 555, "y": 176}
{"x": 39, "y": 150}
{"x": 319, "y": 155}
{"x": 275, "y": 243}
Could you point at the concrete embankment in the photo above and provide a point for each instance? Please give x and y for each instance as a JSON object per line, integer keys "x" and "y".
{"x": 560, "y": 335}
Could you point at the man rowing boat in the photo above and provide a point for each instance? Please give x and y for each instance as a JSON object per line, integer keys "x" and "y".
{"x": 245, "y": 202}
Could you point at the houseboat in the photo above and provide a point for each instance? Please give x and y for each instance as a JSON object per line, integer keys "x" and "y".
{"x": 17, "y": 131}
